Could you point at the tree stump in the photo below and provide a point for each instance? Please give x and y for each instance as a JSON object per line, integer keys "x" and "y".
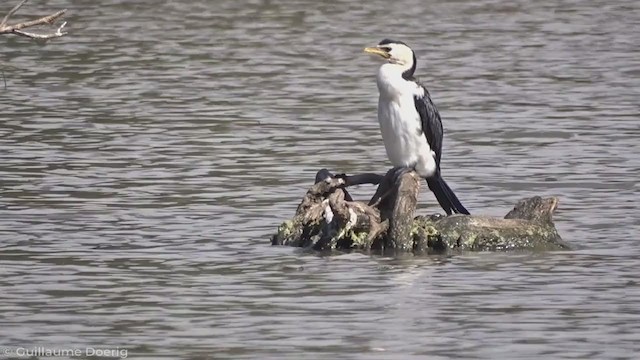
{"x": 329, "y": 219}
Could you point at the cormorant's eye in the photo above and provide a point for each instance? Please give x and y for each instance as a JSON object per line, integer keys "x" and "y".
{"x": 387, "y": 49}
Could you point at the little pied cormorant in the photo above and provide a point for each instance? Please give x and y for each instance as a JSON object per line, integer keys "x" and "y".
{"x": 409, "y": 120}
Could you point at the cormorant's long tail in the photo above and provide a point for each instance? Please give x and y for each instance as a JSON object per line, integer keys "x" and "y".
{"x": 445, "y": 196}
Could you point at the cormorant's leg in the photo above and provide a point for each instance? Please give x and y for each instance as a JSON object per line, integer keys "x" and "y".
{"x": 390, "y": 179}
{"x": 398, "y": 171}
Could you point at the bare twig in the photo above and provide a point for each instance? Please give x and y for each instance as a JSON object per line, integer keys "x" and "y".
{"x": 58, "y": 33}
{"x": 11, "y": 12}
{"x": 17, "y": 28}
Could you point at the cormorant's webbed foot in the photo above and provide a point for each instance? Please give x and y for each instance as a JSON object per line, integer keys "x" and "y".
{"x": 344, "y": 177}
{"x": 325, "y": 174}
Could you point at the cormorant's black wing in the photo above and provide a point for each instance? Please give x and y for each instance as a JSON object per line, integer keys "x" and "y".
{"x": 431, "y": 122}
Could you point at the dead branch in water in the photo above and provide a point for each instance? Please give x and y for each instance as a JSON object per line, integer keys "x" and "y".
{"x": 17, "y": 29}
{"x": 329, "y": 219}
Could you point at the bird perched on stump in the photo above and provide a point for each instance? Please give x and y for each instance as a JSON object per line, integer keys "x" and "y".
{"x": 409, "y": 120}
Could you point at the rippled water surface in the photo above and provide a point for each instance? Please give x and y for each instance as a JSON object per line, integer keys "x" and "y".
{"x": 146, "y": 157}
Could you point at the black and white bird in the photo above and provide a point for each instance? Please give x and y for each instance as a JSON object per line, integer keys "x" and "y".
{"x": 409, "y": 120}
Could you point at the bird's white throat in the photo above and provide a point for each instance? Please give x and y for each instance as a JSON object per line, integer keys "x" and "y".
{"x": 391, "y": 83}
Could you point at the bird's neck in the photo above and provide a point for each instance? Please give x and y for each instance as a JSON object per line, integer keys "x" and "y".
{"x": 394, "y": 79}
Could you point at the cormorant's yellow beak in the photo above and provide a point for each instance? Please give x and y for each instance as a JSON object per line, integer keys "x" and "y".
{"x": 377, "y": 51}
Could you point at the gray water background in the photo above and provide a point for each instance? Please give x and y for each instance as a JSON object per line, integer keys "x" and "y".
{"x": 146, "y": 157}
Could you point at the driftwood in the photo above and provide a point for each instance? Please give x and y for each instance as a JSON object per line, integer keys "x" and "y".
{"x": 329, "y": 219}
{"x": 17, "y": 29}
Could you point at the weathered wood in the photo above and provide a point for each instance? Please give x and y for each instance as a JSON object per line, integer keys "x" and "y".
{"x": 328, "y": 219}
{"x": 306, "y": 225}
{"x": 396, "y": 198}
{"x": 528, "y": 226}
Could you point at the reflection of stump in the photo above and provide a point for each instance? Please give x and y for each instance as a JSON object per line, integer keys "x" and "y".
{"x": 328, "y": 219}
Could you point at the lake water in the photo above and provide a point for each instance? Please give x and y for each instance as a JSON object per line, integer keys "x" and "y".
{"x": 146, "y": 157}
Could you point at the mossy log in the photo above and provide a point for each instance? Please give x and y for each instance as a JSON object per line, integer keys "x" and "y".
{"x": 329, "y": 219}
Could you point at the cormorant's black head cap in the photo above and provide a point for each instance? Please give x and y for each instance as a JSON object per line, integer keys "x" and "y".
{"x": 389, "y": 41}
